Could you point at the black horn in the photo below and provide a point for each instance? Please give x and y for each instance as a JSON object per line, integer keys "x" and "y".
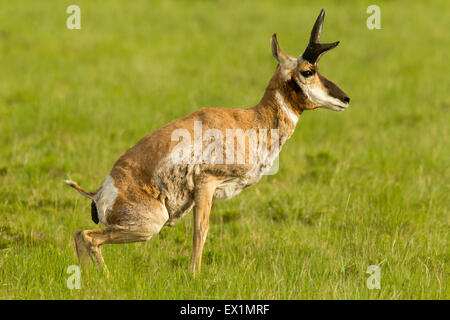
{"x": 315, "y": 48}
{"x": 316, "y": 32}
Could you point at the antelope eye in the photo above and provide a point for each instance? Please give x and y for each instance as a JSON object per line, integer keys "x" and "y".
{"x": 306, "y": 73}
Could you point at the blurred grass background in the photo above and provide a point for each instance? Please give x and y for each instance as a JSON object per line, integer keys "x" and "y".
{"x": 368, "y": 186}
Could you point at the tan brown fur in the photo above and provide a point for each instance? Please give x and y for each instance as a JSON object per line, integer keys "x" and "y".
{"x": 147, "y": 191}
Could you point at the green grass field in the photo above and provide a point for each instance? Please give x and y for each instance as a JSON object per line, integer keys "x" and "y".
{"x": 368, "y": 186}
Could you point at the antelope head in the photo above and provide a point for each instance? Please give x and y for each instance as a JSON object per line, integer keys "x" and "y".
{"x": 311, "y": 89}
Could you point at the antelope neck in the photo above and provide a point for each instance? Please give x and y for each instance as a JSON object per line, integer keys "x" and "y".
{"x": 276, "y": 111}
{"x": 286, "y": 108}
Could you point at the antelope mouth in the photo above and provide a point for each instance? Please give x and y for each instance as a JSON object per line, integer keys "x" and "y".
{"x": 342, "y": 107}
{"x": 338, "y": 107}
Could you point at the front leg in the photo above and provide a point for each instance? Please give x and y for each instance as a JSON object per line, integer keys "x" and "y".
{"x": 204, "y": 192}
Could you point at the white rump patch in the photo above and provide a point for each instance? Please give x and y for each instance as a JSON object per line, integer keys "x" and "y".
{"x": 105, "y": 198}
{"x": 286, "y": 109}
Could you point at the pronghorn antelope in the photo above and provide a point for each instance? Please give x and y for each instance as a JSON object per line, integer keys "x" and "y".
{"x": 148, "y": 188}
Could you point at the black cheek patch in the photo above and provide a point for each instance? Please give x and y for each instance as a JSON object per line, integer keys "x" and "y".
{"x": 293, "y": 85}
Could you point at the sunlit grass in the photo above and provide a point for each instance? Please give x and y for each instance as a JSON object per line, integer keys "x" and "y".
{"x": 368, "y": 186}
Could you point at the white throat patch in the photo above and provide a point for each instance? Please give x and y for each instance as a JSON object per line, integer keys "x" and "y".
{"x": 286, "y": 109}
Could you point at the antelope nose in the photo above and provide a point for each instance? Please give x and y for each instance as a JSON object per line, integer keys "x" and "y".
{"x": 347, "y": 100}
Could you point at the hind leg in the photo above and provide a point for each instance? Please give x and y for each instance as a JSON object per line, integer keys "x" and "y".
{"x": 135, "y": 227}
{"x": 89, "y": 242}
{"x": 80, "y": 246}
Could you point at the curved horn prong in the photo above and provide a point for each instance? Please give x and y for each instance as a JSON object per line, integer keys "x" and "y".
{"x": 328, "y": 46}
{"x": 315, "y": 48}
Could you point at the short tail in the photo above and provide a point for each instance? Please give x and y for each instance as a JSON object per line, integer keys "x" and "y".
{"x": 75, "y": 185}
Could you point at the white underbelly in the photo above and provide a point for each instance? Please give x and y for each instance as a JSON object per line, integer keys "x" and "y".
{"x": 229, "y": 188}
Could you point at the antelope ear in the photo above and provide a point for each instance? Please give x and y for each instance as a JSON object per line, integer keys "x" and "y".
{"x": 286, "y": 62}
